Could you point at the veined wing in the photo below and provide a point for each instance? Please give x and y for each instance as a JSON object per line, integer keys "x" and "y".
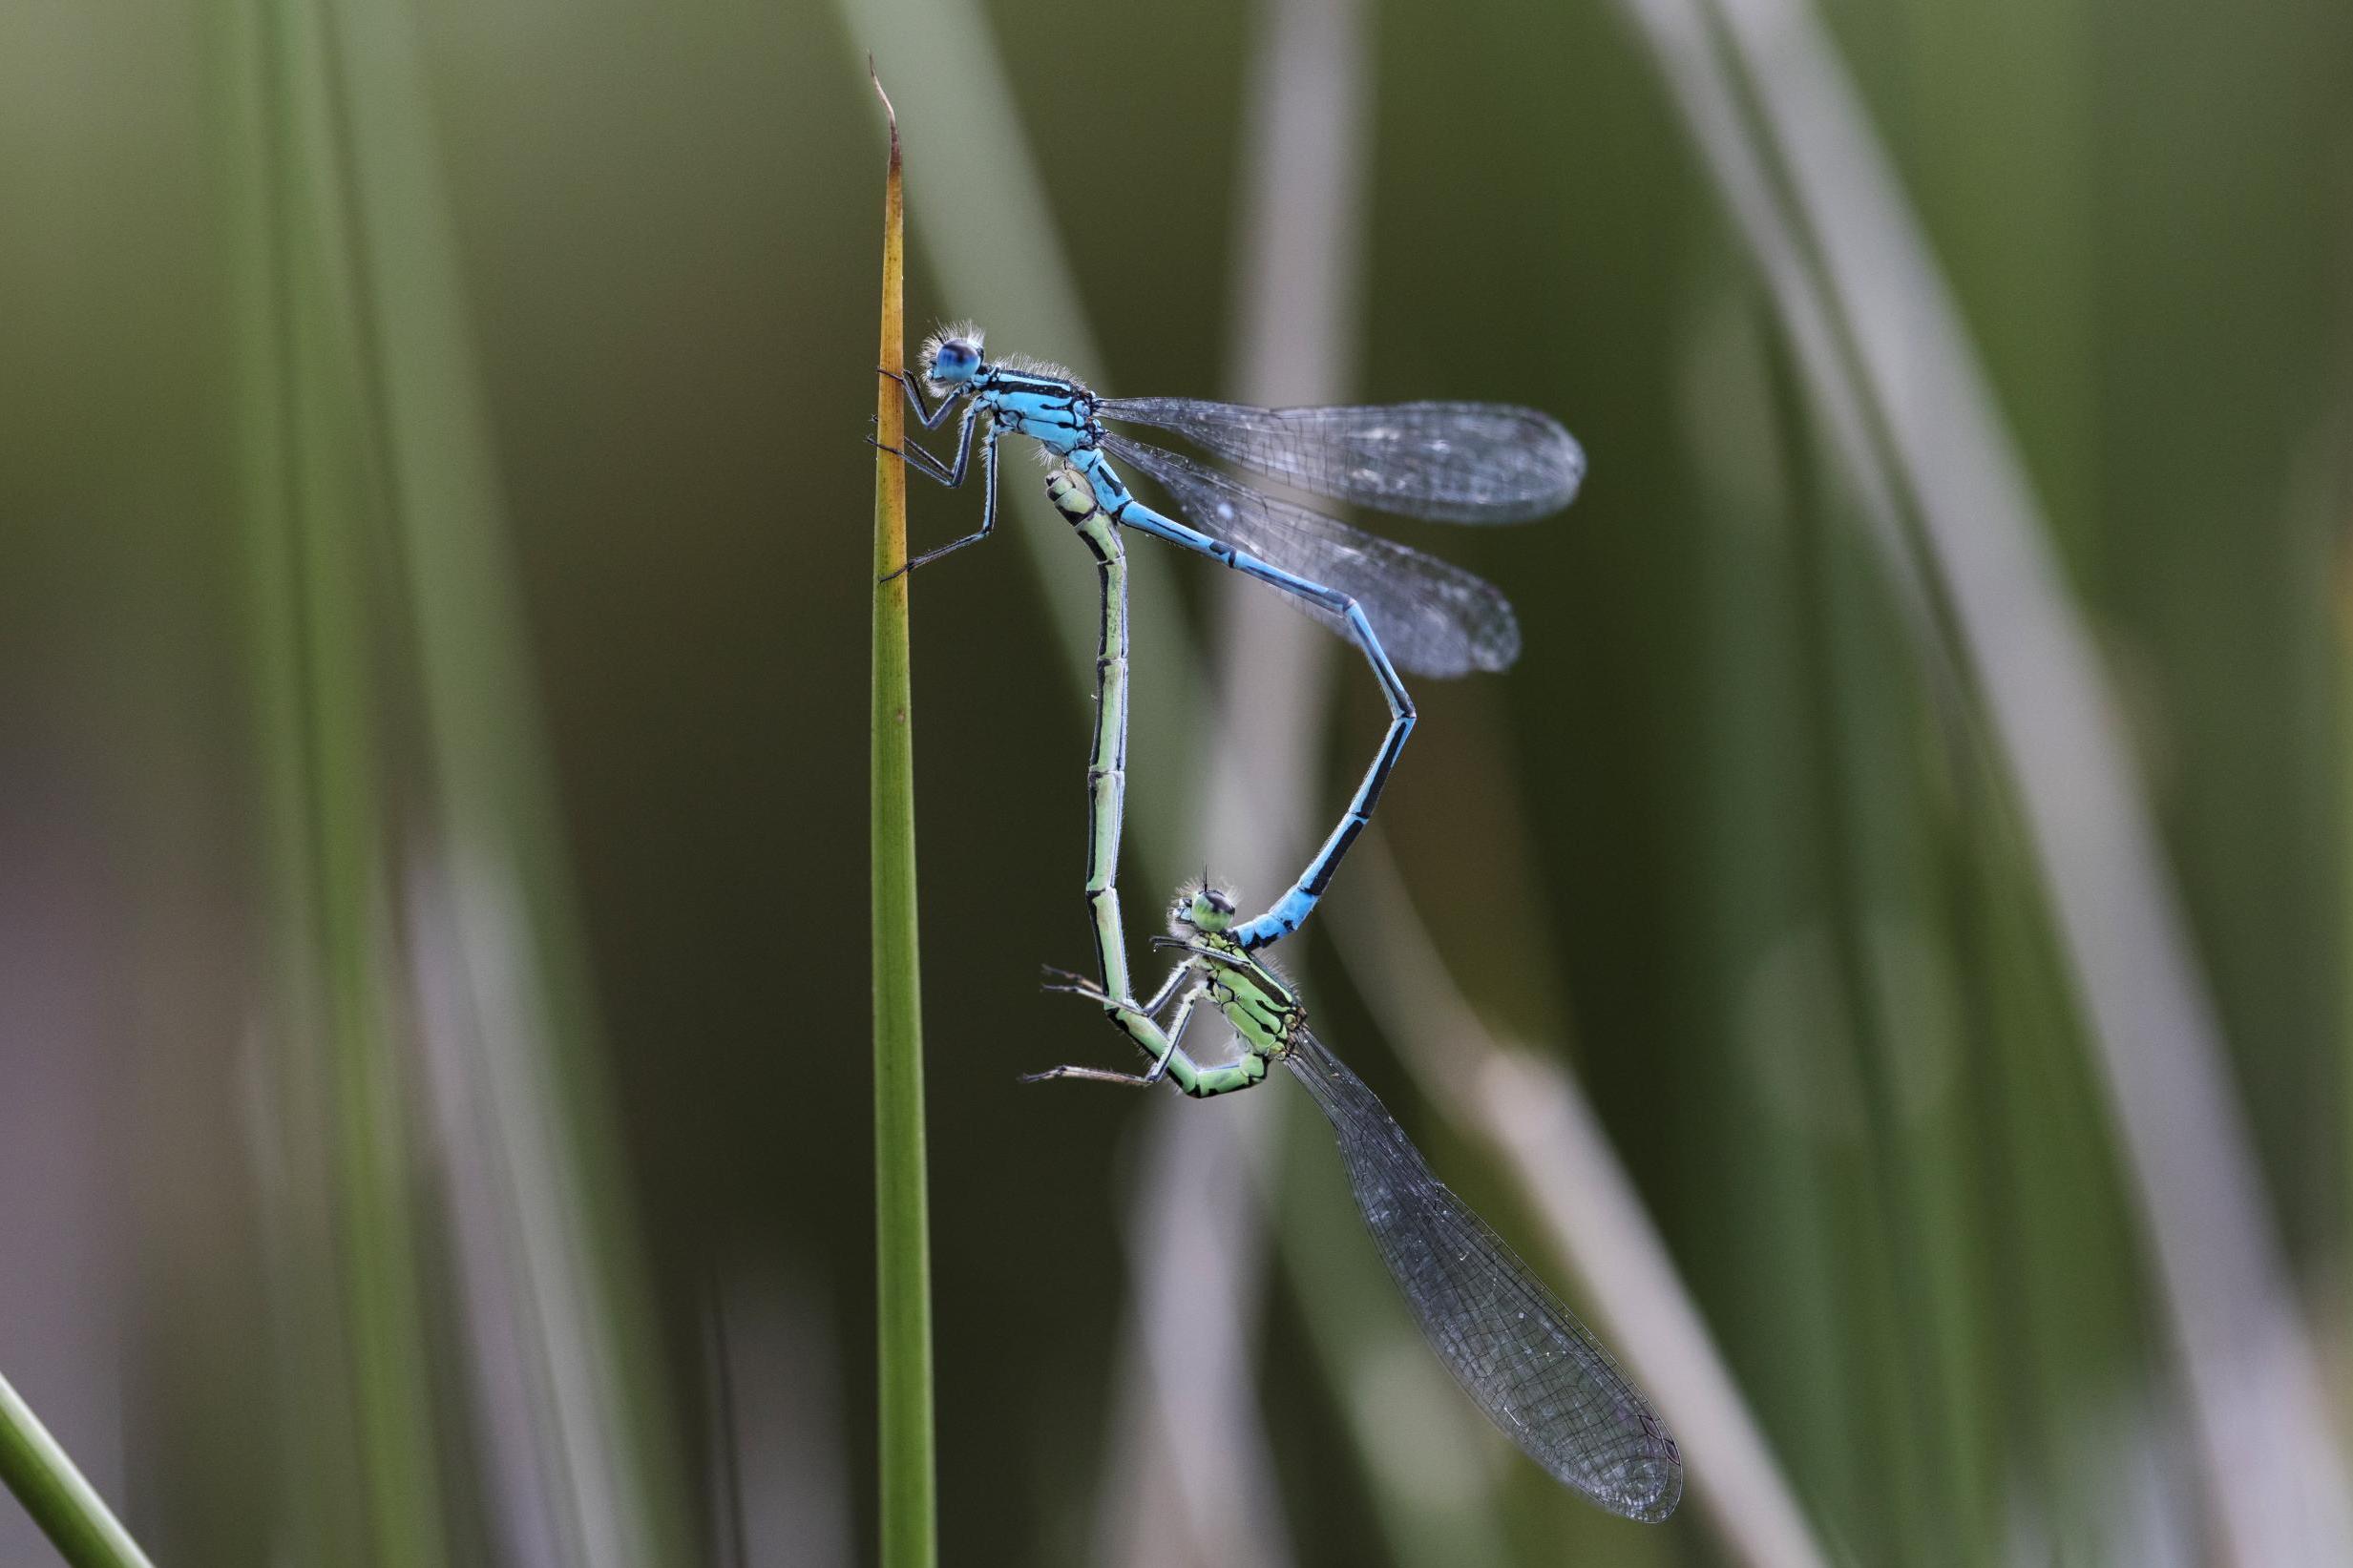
{"x": 1520, "y": 1354}
{"x": 1433, "y": 618}
{"x": 1449, "y": 461}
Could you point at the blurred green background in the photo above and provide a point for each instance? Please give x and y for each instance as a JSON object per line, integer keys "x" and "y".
{"x": 433, "y": 1078}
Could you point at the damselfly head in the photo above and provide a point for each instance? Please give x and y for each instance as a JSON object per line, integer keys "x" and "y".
{"x": 1071, "y": 494}
{"x": 950, "y": 355}
{"x": 1201, "y": 907}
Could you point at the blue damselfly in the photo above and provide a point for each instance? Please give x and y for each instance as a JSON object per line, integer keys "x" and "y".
{"x": 1448, "y": 462}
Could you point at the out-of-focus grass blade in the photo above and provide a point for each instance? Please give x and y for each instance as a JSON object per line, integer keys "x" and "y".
{"x": 775, "y": 1409}
{"x": 382, "y": 589}
{"x": 361, "y": 1482}
{"x": 1532, "y": 1112}
{"x": 603, "y": 1438}
{"x": 1884, "y": 352}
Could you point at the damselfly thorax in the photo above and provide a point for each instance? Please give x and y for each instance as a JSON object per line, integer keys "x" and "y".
{"x": 1054, "y": 411}
{"x": 1264, "y": 1012}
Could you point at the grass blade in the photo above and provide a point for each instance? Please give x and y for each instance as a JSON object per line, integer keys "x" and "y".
{"x": 67, "y": 1507}
{"x": 993, "y": 205}
{"x": 902, "y": 1221}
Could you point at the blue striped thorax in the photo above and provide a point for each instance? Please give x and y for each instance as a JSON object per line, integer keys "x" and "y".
{"x": 1053, "y": 411}
{"x": 1023, "y": 397}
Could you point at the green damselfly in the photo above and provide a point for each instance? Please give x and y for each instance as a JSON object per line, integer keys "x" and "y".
{"x": 1520, "y": 1353}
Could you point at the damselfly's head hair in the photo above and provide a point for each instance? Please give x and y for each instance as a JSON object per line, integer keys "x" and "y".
{"x": 951, "y": 358}
{"x": 1200, "y": 909}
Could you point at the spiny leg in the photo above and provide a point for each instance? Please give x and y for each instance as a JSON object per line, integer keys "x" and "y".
{"x": 988, "y": 499}
{"x": 931, "y": 465}
{"x": 1094, "y": 1075}
{"x": 930, "y": 418}
{"x": 1162, "y": 1046}
{"x": 1160, "y": 999}
{"x": 1071, "y": 983}
{"x": 1169, "y": 1059}
{"x": 917, "y": 458}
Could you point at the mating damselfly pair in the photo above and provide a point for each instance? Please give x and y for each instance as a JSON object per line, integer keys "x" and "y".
{"x": 1520, "y": 1354}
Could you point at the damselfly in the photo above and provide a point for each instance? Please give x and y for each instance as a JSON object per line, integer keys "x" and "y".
{"x": 1521, "y": 1355}
{"x": 1449, "y": 461}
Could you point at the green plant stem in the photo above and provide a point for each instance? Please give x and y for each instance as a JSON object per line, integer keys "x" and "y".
{"x": 67, "y": 1507}
{"x": 902, "y": 1223}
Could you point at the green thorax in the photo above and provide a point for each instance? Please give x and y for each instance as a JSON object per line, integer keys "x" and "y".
{"x": 1254, "y": 998}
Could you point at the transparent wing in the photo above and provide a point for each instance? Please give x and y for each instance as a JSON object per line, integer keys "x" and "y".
{"x": 1433, "y": 618}
{"x": 1449, "y": 461}
{"x": 1521, "y": 1355}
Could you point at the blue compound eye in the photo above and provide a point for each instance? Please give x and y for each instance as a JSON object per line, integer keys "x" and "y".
{"x": 958, "y": 357}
